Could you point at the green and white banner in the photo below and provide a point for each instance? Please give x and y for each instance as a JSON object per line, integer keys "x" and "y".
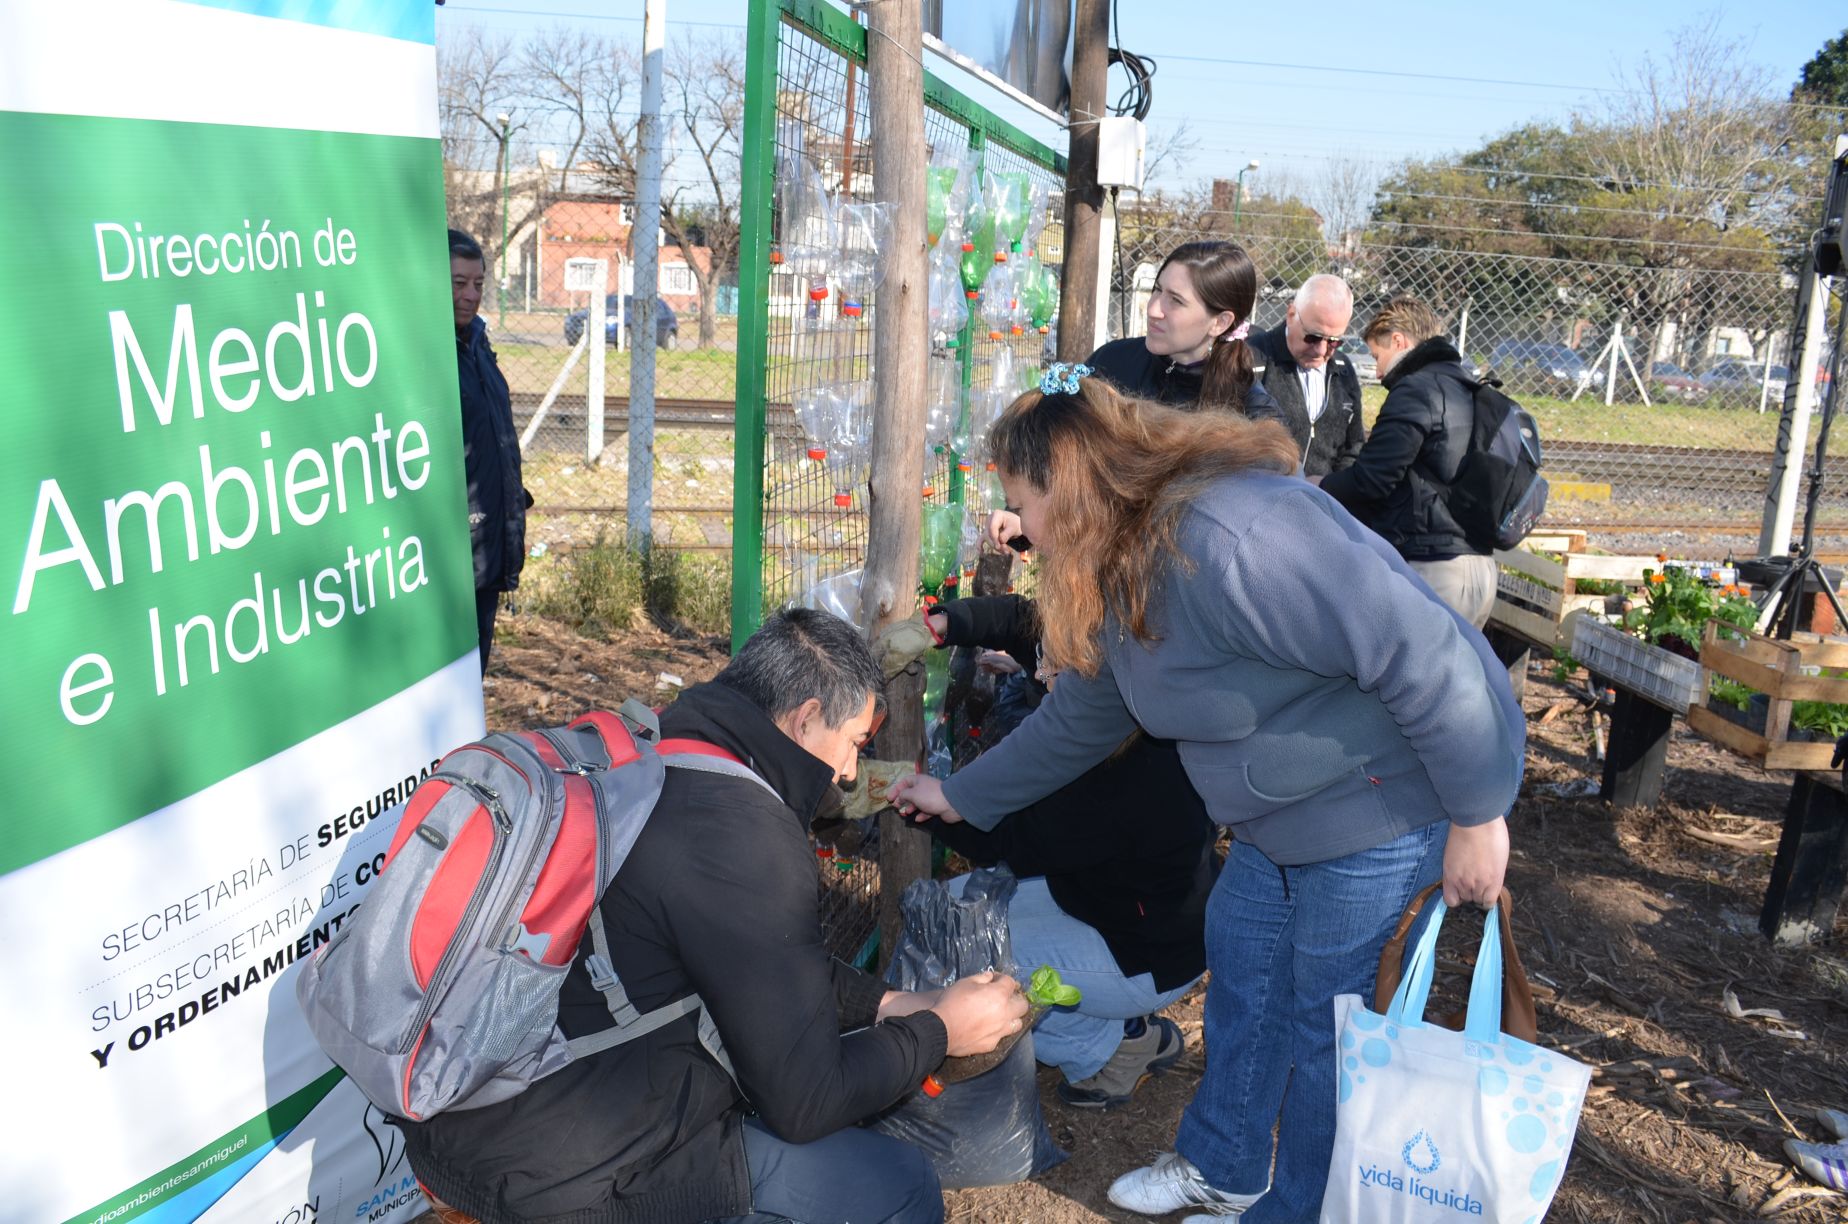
{"x": 239, "y": 619}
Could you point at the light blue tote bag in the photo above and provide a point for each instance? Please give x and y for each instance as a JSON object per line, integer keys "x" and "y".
{"x": 1437, "y": 1127}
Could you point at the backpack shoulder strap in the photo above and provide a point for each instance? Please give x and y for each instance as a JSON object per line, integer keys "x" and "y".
{"x": 702, "y": 757}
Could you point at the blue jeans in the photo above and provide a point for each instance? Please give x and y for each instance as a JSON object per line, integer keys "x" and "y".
{"x": 1281, "y": 944}
{"x": 1078, "y": 1040}
{"x": 851, "y": 1177}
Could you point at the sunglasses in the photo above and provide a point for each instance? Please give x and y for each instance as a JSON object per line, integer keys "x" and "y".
{"x": 1312, "y": 338}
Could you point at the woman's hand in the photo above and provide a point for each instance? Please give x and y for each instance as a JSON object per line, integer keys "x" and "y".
{"x": 921, "y": 795}
{"x": 1003, "y": 525}
{"x": 1475, "y": 863}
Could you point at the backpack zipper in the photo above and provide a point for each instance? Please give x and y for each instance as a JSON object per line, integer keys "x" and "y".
{"x": 489, "y": 799}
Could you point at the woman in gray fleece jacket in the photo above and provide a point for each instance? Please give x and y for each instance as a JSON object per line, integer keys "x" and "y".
{"x": 1356, "y": 736}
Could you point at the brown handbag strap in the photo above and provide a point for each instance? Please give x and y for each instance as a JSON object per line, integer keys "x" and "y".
{"x": 1518, "y": 1019}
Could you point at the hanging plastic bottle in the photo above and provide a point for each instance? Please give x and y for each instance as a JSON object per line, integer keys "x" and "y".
{"x": 808, "y": 223}
{"x": 847, "y": 449}
{"x": 943, "y": 407}
{"x": 939, "y": 545}
{"x": 817, "y": 412}
{"x": 1007, "y": 197}
{"x": 978, "y": 241}
{"x": 946, "y": 196}
{"x": 1002, "y": 313}
{"x": 992, "y": 491}
{"x": 971, "y": 551}
{"x": 1042, "y": 300}
{"x": 948, "y": 308}
{"x": 863, "y": 231}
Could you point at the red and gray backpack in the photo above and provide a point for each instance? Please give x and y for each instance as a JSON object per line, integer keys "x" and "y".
{"x": 441, "y": 993}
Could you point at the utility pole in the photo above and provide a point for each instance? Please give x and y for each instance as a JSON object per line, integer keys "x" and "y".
{"x": 647, "y": 281}
{"x": 901, "y": 352}
{"x": 500, "y": 269}
{"x": 1084, "y": 199}
{"x": 1238, "y": 195}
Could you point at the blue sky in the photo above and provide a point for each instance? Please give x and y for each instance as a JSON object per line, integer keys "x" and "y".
{"x": 1293, "y": 85}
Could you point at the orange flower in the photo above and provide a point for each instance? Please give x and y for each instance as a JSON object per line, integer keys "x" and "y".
{"x": 1658, "y": 578}
{"x": 1661, "y": 558}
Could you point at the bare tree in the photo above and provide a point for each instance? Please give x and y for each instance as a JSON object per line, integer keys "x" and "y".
{"x": 480, "y": 78}
{"x": 567, "y": 77}
{"x": 705, "y": 99}
{"x": 1343, "y": 193}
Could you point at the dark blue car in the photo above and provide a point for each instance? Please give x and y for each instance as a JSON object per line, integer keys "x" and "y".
{"x": 667, "y": 323}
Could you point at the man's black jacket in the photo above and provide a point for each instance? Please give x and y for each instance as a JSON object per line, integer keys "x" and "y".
{"x": 1126, "y": 849}
{"x": 1325, "y": 445}
{"x": 1399, "y": 484}
{"x": 1133, "y": 370}
{"x": 497, "y": 499}
{"x": 718, "y": 896}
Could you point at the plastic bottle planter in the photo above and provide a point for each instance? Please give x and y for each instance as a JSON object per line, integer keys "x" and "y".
{"x": 1002, "y": 313}
{"x": 847, "y": 449}
{"x": 863, "y": 231}
{"x": 939, "y": 545}
{"x": 817, "y": 411}
{"x": 948, "y": 309}
{"x": 1654, "y": 674}
{"x": 946, "y": 197}
{"x": 978, "y": 243}
{"x": 1008, "y": 196}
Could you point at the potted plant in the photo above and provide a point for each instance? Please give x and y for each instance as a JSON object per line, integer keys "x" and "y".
{"x": 1678, "y": 601}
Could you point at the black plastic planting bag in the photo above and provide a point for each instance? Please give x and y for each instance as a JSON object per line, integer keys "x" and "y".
{"x": 987, "y": 1130}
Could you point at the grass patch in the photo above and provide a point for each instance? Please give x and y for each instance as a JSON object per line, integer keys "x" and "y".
{"x": 609, "y": 586}
{"x": 1591, "y": 420}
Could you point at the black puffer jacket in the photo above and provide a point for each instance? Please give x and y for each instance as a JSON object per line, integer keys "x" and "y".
{"x": 1333, "y": 442}
{"x": 718, "y": 896}
{"x": 1400, "y": 481}
{"x": 497, "y": 499}
{"x": 1129, "y": 365}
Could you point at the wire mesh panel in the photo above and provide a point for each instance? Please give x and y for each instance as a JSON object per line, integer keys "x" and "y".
{"x": 819, "y": 230}
{"x": 1657, "y": 389}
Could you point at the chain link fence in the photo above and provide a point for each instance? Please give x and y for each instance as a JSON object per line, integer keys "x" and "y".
{"x": 1657, "y": 389}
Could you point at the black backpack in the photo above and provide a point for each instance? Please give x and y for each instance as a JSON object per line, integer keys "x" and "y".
{"x": 1499, "y": 493}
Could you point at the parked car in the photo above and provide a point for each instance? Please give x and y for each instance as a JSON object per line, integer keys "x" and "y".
{"x": 1670, "y": 380}
{"x": 667, "y": 323}
{"x": 1742, "y": 381}
{"x": 1355, "y": 350}
{"x": 1537, "y": 366}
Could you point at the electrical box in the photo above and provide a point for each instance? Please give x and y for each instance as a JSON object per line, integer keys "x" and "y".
{"x": 1121, "y": 143}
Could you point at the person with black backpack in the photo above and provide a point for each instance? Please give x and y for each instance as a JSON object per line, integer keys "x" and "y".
{"x": 1402, "y": 482}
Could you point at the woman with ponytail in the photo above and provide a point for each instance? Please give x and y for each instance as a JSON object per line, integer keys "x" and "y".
{"x": 1195, "y": 355}
{"x": 1356, "y": 736}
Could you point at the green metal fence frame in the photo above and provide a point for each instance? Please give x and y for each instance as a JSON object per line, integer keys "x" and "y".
{"x": 836, "y": 30}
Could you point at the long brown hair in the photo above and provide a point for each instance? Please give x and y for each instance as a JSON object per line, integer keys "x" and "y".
{"x": 1224, "y": 279}
{"x": 1117, "y": 473}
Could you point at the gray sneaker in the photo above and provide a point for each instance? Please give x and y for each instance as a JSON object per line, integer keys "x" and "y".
{"x": 1158, "y": 1047}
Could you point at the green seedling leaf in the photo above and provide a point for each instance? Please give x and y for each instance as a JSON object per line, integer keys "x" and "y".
{"x": 1045, "y": 989}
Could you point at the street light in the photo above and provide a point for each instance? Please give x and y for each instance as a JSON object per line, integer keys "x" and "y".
{"x": 500, "y": 277}
{"x": 1236, "y": 200}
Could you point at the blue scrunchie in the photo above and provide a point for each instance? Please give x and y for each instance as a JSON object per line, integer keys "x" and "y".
{"x": 1062, "y": 378}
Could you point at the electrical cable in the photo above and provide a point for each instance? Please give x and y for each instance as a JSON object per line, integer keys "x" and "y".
{"x": 1138, "y": 96}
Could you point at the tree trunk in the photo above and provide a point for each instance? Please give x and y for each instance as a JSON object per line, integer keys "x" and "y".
{"x": 901, "y": 349}
{"x": 1084, "y": 199}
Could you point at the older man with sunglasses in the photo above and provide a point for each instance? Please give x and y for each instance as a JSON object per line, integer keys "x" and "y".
{"x": 1315, "y": 386}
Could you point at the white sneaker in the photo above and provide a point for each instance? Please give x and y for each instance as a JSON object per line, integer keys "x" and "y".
{"x": 1834, "y": 1121}
{"x": 1172, "y": 1183}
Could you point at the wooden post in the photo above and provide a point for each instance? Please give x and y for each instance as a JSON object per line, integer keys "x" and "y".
{"x": 1084, "y": 199}
{"x": 901, "y": 340}
{"x": 1637, "y": 755}
{"x": 1812, "y": 857}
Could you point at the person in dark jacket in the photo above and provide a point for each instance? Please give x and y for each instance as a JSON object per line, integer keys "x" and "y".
{"x": 1399, "y": 483}
{"x": 1195, "y": 354}
{"x": 1315, "y": 387}
{"x": 718, "y": 897}
{"x": 1115, "y": 870}
{"x": 497, "y": 500}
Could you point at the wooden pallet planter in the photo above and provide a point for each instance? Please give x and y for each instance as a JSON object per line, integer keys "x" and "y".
{"x": 1810, "y": 870}
{"x": 1537, "y": 586}
{"x": 1776, "y": 669}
